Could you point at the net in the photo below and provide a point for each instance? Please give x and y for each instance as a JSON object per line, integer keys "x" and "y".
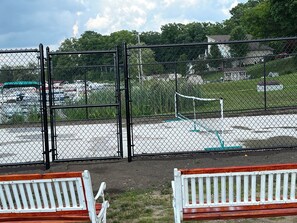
{"x": 193, "y": 109}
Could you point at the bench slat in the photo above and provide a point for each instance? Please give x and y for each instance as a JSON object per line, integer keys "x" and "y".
{"x": 30, "y": 196}
{"x": 2, "y": 198}
{"x": 51, "y": 195}
{"x": 293, "y": 186}
{"x": 23, "y": 196}
{"x": 72, "y": 194}
{"x": 16, "y": 196}
{"x": 37, "y": 196}
{"x": 65, "y": 195}
{"x": 8, "y": 196}
{"x": 81, "y": 198}
{"x": 58, "y": 194}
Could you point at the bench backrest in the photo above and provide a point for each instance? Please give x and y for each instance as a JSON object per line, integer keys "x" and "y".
{"x": 50, "y": 192}
{"x": 235, "y": 186}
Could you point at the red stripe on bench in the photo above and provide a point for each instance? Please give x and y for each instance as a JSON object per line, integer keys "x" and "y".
{"x": 239, "y": 208}
{"x": 240, "y": 214}
{"x": 40, "y": 176}
{"x": 239, "y": 169}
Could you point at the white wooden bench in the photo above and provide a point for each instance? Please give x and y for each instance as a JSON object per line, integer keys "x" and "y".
{"x": 235, "y": 192}
{"x": 51, "y": 197}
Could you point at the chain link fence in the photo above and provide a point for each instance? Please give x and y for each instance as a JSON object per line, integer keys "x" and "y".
{"x": 213, "y": 96}
{"x": 21, "y": 113}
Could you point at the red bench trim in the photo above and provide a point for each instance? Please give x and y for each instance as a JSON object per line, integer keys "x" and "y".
{"x": 235, "y": 169}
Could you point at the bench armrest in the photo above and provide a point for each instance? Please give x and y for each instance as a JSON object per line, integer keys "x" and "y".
{"x": 105, "y": 204}
{"x": 102, "y": 213}
{"x": 100, "y": 192}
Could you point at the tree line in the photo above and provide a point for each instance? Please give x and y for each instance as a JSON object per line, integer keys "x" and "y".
{"x": 259, "y": 18}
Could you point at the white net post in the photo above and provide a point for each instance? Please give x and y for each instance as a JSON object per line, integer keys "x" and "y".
{"x": 175, "y": 105}
{"x": 222, "y": 122}
{"x": 194, "y": 115}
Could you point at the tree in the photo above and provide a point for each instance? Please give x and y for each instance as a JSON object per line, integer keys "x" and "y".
{"x": 172, "y": 32}
{"x": 215, "y": 28}
{"x": 285, "y": 16}
{"x": 236, "y": 14}
{"x": 182, "y": 64}
{"x": 29, "y": 72}
{"x": 238, "y": 49}
{"x": 215, "y": 56}
{"x": 142, "y": 63}
{"x": 151, "y": 38}
{"x": 259, "y": 22}
{"x": 199, "y": 66}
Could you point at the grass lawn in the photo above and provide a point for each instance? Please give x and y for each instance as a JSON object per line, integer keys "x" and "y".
{"x": 155, "y": 206}
{"x": 141, "y": 206}
{"x": 240, "y": 95}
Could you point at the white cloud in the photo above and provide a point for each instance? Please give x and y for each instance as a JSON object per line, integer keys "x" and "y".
{"x": 75, "y": 29}
{"x": 100, "y": 22}
{"x": 168, "y": 3}
{"x": 117, "y": 15}
{"x": 48, "y": 22}
{"x": 226, "y": 8}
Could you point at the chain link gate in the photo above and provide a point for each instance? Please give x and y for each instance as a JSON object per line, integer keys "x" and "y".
{"x": 23, "y": 113}
{"x": 84, "y": 105}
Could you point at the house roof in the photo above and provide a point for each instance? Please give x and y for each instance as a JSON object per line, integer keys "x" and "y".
{"x": 254, "y": 46}
{"x": 234, "y": 69}
{"x": 220, "y": 38}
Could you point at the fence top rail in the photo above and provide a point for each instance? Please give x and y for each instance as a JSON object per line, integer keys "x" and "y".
{"x": 269, "y": 167}
{"x": 19, "y": 51}
{"x": 16, "y": 177}
{"x": 83, "y": 52}
{"x": 209, "y": 43}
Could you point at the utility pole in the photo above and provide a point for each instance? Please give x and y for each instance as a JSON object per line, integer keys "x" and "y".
{"x": 140, "y": 69}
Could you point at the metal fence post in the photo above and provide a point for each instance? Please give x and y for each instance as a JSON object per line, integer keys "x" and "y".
{"x": 44, "y": 109}
{"x": 119, "y": 99}
{"x": 265, "y": 94}
{"x": 127, "y": 103}
{"x": 50, "y": 102}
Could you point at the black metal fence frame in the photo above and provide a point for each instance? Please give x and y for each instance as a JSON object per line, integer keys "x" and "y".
{"x": 116, "y": 105}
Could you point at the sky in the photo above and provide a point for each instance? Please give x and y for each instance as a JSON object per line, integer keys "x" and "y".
{"x": 27, "y": 23}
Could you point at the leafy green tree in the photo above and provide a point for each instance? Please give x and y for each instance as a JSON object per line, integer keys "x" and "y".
{"x": 285, "y": 16}
{"x": 142, "y": 63}
{"x": 200, "y": 66}
{"x": 172, "y": 32}
{"x": 29, "y": 72}
{"x": 259, "y": 22}
{"x": 151, "y": 38}
{"x": 6, "y": 73}
{"x": 238, "y": 49}
{"x": 182, "y": 64}
{"x": 68, "y": 45}
{"x": 236, "y": 14}
{"x": 215, "y": 56}
{"x": 215, "y": 28}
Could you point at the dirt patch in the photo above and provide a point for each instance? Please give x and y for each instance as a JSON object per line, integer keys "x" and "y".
{"x": 157, "y": 172}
